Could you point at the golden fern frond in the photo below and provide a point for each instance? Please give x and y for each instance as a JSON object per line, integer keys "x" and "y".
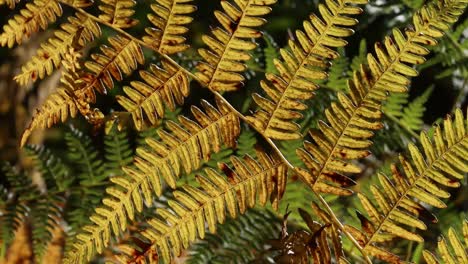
{"x": 308, "y": 61}
{"x": 183, "y": 147}
{"x": 78, "y": 31}
{"x": 352, "y": 120}
{"x": 445, "y": 162}
{"x": 11, "y": 3}
{"x": 223, "y": 61}
{"x": 123, "y": 56}
{"x": 169, "y": 19}
{"x": 166, "y": 86}
{"x": 118, "y": 13}
{"x": 60, "y": 104}
{"x": 460, "y": 250}
{"x": 37, "y": 14}
{"x": 179, "y": 225}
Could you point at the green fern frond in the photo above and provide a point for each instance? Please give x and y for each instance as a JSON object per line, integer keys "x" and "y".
{"x": 270, "y": 53}
{"x": 79, "y": 30}
{"x": 359, "y": 59}
{"x": 338, "y": 73}
{"x": 121, "y": 57}
{"x": 177, "y": 227}
{"x": 240, "y": 240}
{"x": 456, "y": 246}
{"x": 170, "y": 19}
{"x": 228, "y": 46}
{"x": 118, "y": 13}
{"x": 118, "y": 152}
{"x": 247, "y": 139}
{"x": 352, "y": 120}
{"x": 167, "y": 86}
{"x": 307, "y": 62}
{"x": 444, "y": 163}
{"x": 37, "y": 14}
{"x": 183, "y": 147}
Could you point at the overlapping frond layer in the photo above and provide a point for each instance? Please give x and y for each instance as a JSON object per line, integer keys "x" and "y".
{"x": 353, "y": 118}
{"x": 459, "y": 248}
{"x": 37, "y": 14}
{"x": 76, "y": 33}
{"x": 167, "y": 86}
{"x": 61, "y": 103}
{"x": 217, "y": 197}
{"x": 121, "y": 57}
{"x": 78, "y": 3}
{"x": 169, "y": 20}
{"x": 181, "y": 148}
{"x": 228, "y": 46}
{"x": 306, "y": 61}
{"x": 118, "y": 13}
{"x": 399, "y": 199}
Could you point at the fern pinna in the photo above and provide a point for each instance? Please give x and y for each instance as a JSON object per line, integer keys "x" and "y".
{"x": 100, "y": 195}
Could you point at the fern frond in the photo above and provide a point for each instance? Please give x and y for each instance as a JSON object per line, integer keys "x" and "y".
{"x": 118, "y": 13}
{"x": 352, "y": 120}
{"x": 218, "y": 196}
{"x": 459, "y": 255}
{"x": 413, "y": 113}
{"x": 308, "y": 62}
{"x": 37, "y": 14}
{"x": 166, "y": 86}
{"x": 170, "y": 19}
{"x": 224, "y": 60}
{"x": 11, "y": 3}
{"x": 444, "y": 163}
{"x": 183, "y": 147}
{"x": 78, "y": 31}
{"x": 122, "y": 56}
{"x": 78, "y": 3}
{"x": 118, "y": 152}
{"x": 270, "y": 53}
{"x": 61, "y": 103}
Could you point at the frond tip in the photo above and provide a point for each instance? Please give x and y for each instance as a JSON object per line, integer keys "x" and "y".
{"x": 37, "y": 14}
{"x": 218, "y": 196}
{"x": 223, "y": 61}
{"x": 444, "y": 163}
{"x": 170, "y": 19}
{"x": 182, "y": 146}
{"x": 308, "y": 60}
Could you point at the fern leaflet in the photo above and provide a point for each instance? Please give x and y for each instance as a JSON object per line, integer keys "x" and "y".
{"x": 118, "y": 13}
{"x": 445, "y": 159}
{"x": 308, "y": 61}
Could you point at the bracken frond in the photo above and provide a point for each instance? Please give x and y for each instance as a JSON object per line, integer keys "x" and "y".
{"x": 11, "y": 3}
{"x": 37, "y": 14}
{"x": 167, "y": 86}
{"x": 352, "y": 120}
{"x": 459, "y": 250}
{"x": 79, "y": 31}
{"x": 122, "y": 56}
{"x": 217, "y": 196}
{"x": 78, "y": 3}
{"x": 118, "y": 13}
{"x": 308, "y": 61}
{"x": 445, "y": 162}
{"x": 183, "y": 147}
{"x": 61, "y": 103}
{"x": 170, "y": 19}
{"x": 224, "y": 60}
